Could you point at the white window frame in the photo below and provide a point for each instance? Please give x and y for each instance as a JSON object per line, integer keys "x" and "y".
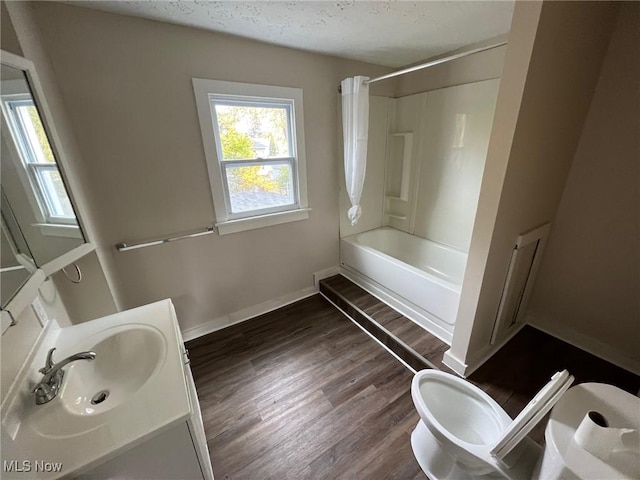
{"x": 209, "y": 91}
{"x": 28, "y": 168}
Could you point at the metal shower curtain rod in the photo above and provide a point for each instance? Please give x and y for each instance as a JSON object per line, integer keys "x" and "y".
{"x": 435, "y": 62}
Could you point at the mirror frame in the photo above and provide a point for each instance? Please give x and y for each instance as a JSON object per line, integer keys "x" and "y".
{"x": 29, "y": 290}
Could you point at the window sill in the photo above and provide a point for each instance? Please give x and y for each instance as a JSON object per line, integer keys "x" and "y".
{"x": 250, "y": 223}
{"x": 57, "y": 230}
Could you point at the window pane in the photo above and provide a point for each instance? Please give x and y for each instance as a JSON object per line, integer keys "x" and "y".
{"x": 255, "y": 187}
{"x": 55, "y": 194}
{"x": 34, "y": 131}
{"x": 253, "y": 132}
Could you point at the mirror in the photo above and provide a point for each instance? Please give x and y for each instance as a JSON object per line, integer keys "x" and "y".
{"x": 16, "y": 260}
{"x": 39, "y": 223}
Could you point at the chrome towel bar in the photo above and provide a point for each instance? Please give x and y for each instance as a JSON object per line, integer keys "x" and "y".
{"x": 123, "y": 247}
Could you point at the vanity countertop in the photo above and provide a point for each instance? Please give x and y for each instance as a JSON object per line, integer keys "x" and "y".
{"x": 140, "y": 361}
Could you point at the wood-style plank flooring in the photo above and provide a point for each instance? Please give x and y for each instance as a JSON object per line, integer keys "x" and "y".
{"x": 513, "y": 375}
{"x": 302, "y": 393}
{"x": 351, "y": 298}
{"x": 524, "y": 365}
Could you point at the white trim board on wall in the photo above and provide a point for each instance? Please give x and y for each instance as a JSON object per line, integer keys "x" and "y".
{"x": 248, "y": 313}
{"x": 245, "y": 314}
{"x": 591, "y": 345}
{"x": 326, "y": 273}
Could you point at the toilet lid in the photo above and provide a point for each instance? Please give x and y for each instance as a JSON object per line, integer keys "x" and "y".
{"x": 531, "y": 415}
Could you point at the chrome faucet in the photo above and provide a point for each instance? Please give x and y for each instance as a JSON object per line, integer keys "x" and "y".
{"x": 50, "y": 384}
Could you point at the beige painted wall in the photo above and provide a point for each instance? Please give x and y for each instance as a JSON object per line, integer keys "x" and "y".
{"x": 8, "y": 37}
{"x": 89, "y": 299}
{"x": 21, "y": 21}
{"x": 539, "y": 117}
{"x": 17, "y": 341}
{"x": 93, "y": 297}
{"x": 589, "y": 281}
{"x": 474, "y": 68}
{"x": 126, "y": 84}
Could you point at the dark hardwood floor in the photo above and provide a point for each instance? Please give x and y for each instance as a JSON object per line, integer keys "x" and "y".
{"x": 512, "y": 376}
{"x": 302, "y": 393}
{"x": 412, "y": 343}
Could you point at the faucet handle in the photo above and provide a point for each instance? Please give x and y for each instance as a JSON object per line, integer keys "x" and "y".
{"x": 48, "y": 362}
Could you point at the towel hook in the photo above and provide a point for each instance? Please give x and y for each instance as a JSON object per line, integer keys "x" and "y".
{"x": 78, "y": 273}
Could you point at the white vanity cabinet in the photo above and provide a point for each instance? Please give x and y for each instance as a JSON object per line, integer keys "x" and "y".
{"x": 149, "y": 426}
{"x": 179, "y": 453}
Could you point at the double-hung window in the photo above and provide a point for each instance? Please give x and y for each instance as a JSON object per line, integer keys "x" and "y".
{"x": 37, "y": 160}
{"x": 254, "y": 145}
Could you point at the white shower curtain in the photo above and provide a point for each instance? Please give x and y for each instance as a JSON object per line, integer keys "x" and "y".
{"x": 355, "y": 125}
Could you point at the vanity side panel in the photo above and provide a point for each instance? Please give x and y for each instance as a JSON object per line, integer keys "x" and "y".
{"x": 168, "y": 456}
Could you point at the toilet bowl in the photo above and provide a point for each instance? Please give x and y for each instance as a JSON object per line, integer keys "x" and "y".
{"x": 464, "y": 434}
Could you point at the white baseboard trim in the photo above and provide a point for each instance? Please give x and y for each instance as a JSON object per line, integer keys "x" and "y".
{"x": 397, "y": 303}
{"x": 411, "y": 369}
{"x": 326, "y": 273}
{"x": 454, "y": 363}
{"x": 589, "y": 344}
{"x": 486, "y": 353}
{"x": 245, "y": 314}
{"x": 466, "y": 369}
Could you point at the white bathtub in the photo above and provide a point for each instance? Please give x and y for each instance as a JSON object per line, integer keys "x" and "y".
{"x": 419, "y": 277}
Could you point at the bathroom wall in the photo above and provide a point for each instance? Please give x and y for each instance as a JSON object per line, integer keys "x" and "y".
{"x": 16, "y": 343}
{"x": 589, "y": 280}
{"x": 407, "y": 127}
{"x": 8, "y": 37}
{"x": 407, "y": 112}
{"x": 550, "y": 72}
{"x": 474, "y": 68}
{"x": 126, "y": 85}
{"x": 453, "y": 150}
{"x": 97, "y": 296}
{"x": 44, "y": 248}
{"x": 94, "y": 298}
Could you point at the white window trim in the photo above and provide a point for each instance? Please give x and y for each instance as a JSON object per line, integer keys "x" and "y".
{"x": 59, "y": 230}
{"x": 226, "y": 222}
{"x": 36, "y": 198}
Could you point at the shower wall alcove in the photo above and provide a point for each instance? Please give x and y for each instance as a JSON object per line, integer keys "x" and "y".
{"x": 426, "y": 156}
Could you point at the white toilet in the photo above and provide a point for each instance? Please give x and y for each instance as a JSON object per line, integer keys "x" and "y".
{"x": 464, "y": 434}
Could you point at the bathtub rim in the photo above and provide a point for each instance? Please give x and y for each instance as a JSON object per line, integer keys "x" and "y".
{"x": 455, "y": 287}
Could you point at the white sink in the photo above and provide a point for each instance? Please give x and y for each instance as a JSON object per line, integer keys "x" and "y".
{"x": 125, "y": 360}
{"x": 127, "y": 357}
{"x": 106, "y": 405}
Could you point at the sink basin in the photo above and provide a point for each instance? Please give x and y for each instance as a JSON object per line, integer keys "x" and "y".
{"x": 105, "y": 406}
{"x": 127, "y": 357}
{"x": 125, "y": 361}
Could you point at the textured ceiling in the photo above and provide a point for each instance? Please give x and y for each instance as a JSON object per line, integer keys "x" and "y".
{"x": 391, "y": 33}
